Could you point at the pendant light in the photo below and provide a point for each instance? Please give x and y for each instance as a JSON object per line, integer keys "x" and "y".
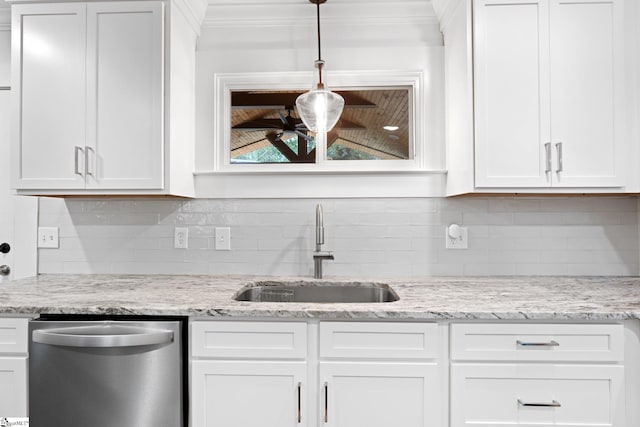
{"x": 319, "y": 109}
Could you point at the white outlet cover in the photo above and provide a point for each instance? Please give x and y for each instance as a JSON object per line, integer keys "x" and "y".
{"x": 48, "y": 237}
{"x": 181, "y": 238}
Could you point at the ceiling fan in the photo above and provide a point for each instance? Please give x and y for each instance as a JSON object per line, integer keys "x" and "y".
{"x": 274, "y": 132}
{"x": 286, "y": 124}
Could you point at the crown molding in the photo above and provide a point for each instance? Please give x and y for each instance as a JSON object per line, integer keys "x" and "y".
{"x": 194, "y": 11}
{"x": 298, "y": 13}
{"x": 445, "y": 10}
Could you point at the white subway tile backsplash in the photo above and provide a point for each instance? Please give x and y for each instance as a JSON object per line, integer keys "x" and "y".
{"x": 484, "y": 269}
{"x": 369, "y": 237}
{"x": 487, "y": 218}
{"x": 601, "y": 269}
{"x": 541, "y": 269}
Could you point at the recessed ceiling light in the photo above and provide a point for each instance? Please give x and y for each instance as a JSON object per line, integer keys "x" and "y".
{"x": 391, "y": 128}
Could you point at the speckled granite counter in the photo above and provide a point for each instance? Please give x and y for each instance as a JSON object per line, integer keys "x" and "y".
{"x": 552, "y": 298}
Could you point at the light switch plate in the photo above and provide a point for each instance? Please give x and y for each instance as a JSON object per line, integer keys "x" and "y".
{"x": 223, "y": 239}
{"x": 48, "y": 237}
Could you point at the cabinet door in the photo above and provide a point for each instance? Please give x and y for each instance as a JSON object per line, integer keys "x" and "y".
{"x": 380, "y": 394}
{"x": 511, "y": 395}
{"x": 586, "y": 85}
{"x": 125, "y": 95}
{"x": 13, "y": 386}
{"x": 512, "y": 122}
{"x": 249, "y": 394}
{"x": 48, "y": 81}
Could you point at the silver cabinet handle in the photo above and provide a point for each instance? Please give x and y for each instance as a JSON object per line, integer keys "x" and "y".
{"x": 326, "y": 403}
{"x": 299, "y": 403}
{"x": 77, "y": 160}
{"x": 553, "y": 404}
{"x": 87, "y": 160}
{"x": 547, "y": 154}
{"x": 551, "y": 343}
{"x": 102, "y": 335}
{"x": 559, "y": 150}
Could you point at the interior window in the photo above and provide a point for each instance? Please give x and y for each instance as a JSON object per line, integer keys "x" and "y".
{"x": 375, "y": 125}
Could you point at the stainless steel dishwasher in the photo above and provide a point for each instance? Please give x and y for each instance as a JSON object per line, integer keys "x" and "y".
{"x": 106, "y": 373}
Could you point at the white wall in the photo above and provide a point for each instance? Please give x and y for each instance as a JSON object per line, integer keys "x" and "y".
{"x": 369, "y": 237}
{"x": 245, "y": 37}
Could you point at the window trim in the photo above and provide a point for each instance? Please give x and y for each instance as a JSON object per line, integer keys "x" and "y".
{"x": 225, "y": 83}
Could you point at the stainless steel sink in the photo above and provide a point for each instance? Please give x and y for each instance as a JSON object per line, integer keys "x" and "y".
{"x": 317, "y": 292}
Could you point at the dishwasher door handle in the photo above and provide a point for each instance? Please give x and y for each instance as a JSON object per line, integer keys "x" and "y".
{"x": 102, "y": 335}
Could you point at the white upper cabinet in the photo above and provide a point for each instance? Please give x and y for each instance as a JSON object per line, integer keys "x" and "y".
{"x": 587, "y": 93}
{"x": 49, "y": 46}
{"x": 512, "y": 112}
{"x": 124, "y": 96}
{"x": 93, "y": 92}
{"x": 544, "y": 91}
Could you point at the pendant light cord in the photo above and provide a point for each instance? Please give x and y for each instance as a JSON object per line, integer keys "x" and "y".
{"x": 319, "y": 46}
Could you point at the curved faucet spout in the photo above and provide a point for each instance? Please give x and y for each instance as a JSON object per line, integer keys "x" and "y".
{"x": 319, "y": 228}
{"x": 319, "y": 255}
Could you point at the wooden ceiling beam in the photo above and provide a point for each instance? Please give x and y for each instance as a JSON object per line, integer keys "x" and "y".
{"x": 287, "y": 100}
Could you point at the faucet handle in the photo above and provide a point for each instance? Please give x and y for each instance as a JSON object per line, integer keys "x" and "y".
{"x": 323, "y": 255}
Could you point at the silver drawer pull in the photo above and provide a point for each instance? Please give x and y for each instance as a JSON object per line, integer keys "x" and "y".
{"x": 553, "y": 404}
{"x": 326, "y": 402}
{"x": 551, "y": 343}
{"x": 299, "y": 403}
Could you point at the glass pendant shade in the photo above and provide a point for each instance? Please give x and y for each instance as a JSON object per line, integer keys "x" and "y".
{"x": 320, "y": 109}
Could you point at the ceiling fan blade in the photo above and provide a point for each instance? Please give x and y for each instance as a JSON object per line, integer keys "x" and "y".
{"x": 304, "y": 135}
{"x": 262, "y": 124}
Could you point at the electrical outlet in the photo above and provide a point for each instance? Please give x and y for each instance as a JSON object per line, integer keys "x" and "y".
{"x": 48, "y": 237}
{"x": 181, "y": 238}
{"x": 456, "y": 237}
{"x": 223, "y": 239}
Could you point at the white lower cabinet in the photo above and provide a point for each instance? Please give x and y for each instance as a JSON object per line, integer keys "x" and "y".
{"x": 249, "y": 374}
{"x": 375, "y": 394}
{"x": 537, "y": 395}
{"x": 13, "y": 386}
{"x": 249, "y": 393}
{"x": 350, "y": 374}
{"x": 13, "y": 367}
{"x": 411, "y": 374}
{"x": 537, "y": 375}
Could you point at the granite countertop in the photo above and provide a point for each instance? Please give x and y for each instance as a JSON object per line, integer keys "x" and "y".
{"x": 544, "y": 298}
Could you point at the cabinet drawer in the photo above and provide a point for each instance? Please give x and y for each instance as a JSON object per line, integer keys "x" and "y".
{"x": 378, "y": 340}
{"x": 264, "y": 340}
{"x": 13, "y": 335}
{"x": 536, "y": 395}
{"x": 537, "y": 342}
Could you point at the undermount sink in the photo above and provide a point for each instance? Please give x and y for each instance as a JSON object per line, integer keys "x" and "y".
{"x": 317, "y": 292}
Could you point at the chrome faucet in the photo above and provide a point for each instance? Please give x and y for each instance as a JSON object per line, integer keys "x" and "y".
{"x": 319, "y": 255}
